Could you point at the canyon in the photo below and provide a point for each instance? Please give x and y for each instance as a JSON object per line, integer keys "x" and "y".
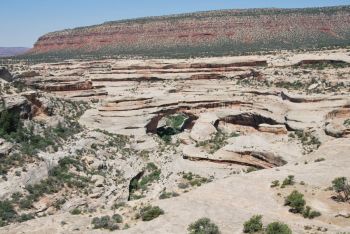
{"x": 167, "y": 124}
{"x": 217, "y": 132}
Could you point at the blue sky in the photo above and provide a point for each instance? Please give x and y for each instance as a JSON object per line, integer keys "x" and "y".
{"x": 23, "y": 21}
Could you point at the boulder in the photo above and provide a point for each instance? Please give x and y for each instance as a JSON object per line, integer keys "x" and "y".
{"x": 313, "y": 86}
{"x": 184, "y": 138}
{"x": 42, "y": 205}
{"x": 337, "y": 129}
{"x": 98, "y": 180}
{"x": 5, "y": 148}
{"x": 202, "y": 131}
{"x": 5, "y": 74}
{"x": 204, "y": 128}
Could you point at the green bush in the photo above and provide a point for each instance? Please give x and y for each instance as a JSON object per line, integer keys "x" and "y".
{"x": 166, "y": 195}
{"x": 288, "y": 181}
{"x": 254, "y": 224}
{"x": 26, "y": 203}
{"x": 9, "y": 122}
{"x": 251, "y": 169}
{"x": 75, "y": 211}
{"x": 118, "y": 205}
{"x": 278, "y": 228}
{"x": 296, "y": 201}
{"x": 319, "y": 159}
{"x": 7, "y": 212}
{"x": 25, "y": 217}
{"x": 104, "y": 222}
{"x": 275, "y": 183}
{"x": 342, "y": 187}
{"x": 194, "y": 179}
{"x": 203, "y": 226}
{"x": 314, "y": 214}
{"x": 347, "y": 123}
{"x": 150, "y": 212}
{"x": 117, "y": 218}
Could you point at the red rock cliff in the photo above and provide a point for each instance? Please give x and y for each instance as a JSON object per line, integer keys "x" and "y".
{"x": 245, "y": 30}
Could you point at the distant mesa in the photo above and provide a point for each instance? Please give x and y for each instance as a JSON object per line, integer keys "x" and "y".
{"x": 211, "y": 33}
{"x": 12, "y": 51}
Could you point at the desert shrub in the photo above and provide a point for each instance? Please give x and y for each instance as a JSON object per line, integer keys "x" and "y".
{"x": 203, "y": 226}
{"x": 254, "y": 224}
{"x": 25, "y": 217}
{"x": 118, "y": 205}
{"x": 347, "y": 123}
{"x": 7, "y": 212}
{"x": 76, "y": 211}
{"x": 104, "y": 222}
{"x": 58, "y": 203}
{"x": 314, "y": 214}
{"x": 26, "y": 203}
{"x": 251, "y": 169}
{"x": 308, "y": 213}
{"x": 288, "y": 181}
{"x": 194, "y": 179}
{"x": 320, "y": 159}
{"x": 9, "y": 122}
{"x": 165, "y": 195}
{"x": 275, "y": 183}
{"x": 278, "y": 228}
{"x": 150, "y": 212}
{"x": 183, "y": 185}
{"x": 309, "y": 141}
{"x": 342, "y": 187}
{"x": 296, "y": 85}
{"x": 154, "y": 174}
{"x": 16, "y": 196}
{"x": 296, "y": 201}
{"x": 218, "y": 141}
{"x": 117, "y": 218}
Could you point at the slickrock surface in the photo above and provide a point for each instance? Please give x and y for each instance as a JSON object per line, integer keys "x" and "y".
{"x": 231, "y": 124}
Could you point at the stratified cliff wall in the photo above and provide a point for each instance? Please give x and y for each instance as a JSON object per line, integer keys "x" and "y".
{"x": 214, "y": 32}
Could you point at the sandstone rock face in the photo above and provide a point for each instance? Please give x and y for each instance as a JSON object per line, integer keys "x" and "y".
{"x": 213, "y": 31}
{"x": 28, "y": 74}
{"x": 258, "y": 123}
{"x": 5, "y": 148}
{"x": 277, "y": 129}
{"x": 98, "y": 180}
{"x": 204, "y": 128}
{"x": 63, "y": 86}
{"x": 338, "y": 123}
{"x": 5, "y": 74}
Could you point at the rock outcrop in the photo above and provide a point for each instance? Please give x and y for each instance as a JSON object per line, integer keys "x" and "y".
{"x": 204, "y": 128}
{"x": 5, "y": 74}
